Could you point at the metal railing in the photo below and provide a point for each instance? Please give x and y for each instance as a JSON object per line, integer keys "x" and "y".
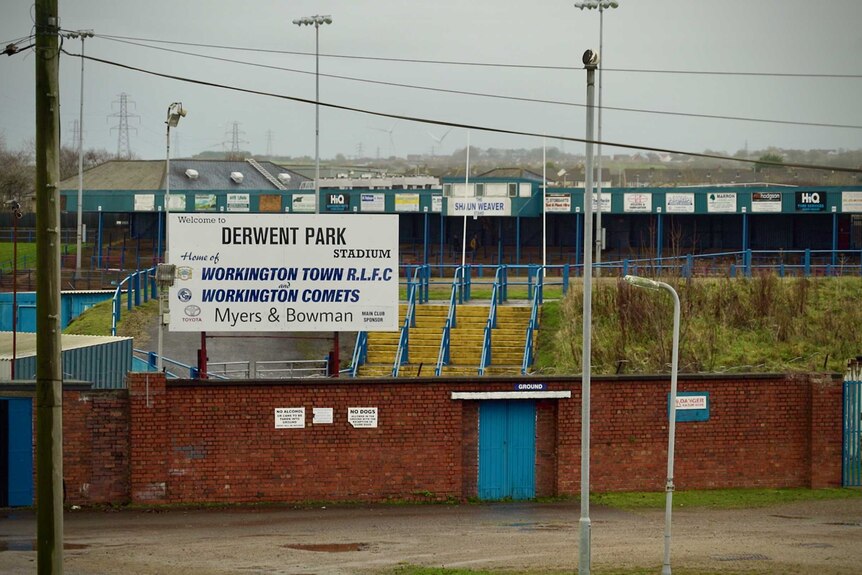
{"x": 134, "y": 291}
{"x": 418, "y": 285}
{"x": 538, "y": 293}
{"x": 455, "y": 297}
{"x": 360, "y": 353}
{"x": 497, "y": 296}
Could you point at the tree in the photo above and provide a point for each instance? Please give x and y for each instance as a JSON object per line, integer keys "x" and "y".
{"x": 768, "y": 161}
{"x": 69, "y": 160}
{"x": 17, "y": 173}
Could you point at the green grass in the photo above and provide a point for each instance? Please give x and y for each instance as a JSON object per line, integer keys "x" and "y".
{"x": 134, "y": 323}
{"x": 763, "y": 324}
{"x": 26, "y": 254}
{"x": 720, "y": 498}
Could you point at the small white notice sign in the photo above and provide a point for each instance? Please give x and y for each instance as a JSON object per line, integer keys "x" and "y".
{"x": 321, "y": 415}
{"x": 691, "y": 402}
{"x": 289, "y": 417}
{"x": 362, "y": 417}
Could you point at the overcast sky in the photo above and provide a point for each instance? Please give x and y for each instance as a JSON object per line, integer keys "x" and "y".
{"x": 785, "y": 36}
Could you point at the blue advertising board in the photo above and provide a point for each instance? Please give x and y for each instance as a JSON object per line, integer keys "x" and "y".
{"x": 691, "y": 405}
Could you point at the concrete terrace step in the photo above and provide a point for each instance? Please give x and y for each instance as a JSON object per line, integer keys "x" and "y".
{"x": 466, "y": 340}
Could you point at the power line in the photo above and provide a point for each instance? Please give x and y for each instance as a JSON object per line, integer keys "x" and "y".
{"x": 457, "y": 124}
{"x": 498, "y": 96}
{"x": 480, "y": 64}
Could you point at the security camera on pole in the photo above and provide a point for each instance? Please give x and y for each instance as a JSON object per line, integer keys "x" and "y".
{"x": 164, "y": 271}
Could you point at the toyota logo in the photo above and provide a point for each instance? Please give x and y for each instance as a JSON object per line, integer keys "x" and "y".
{"x": 192, "y": 311}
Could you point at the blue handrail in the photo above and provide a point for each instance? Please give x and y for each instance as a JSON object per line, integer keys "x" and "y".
{"x": 360, "y": 353}
{"x": 414, "y": 286}
{"x": 443, "y": 354}
{"x": 534, "y": 321}
{"x": 491, "y": 323}
{"x": 133, "y": 289}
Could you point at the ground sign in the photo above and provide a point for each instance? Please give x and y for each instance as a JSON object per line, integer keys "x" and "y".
{"x": 284, "y": 272}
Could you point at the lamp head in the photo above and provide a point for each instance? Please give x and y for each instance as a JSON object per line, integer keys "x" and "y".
{"x": 175, "y": 112}
{"x": 640, "y": 282}
{"x": 590, "y": 59}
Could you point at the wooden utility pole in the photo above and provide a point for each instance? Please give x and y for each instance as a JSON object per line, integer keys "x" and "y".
{"x": 49, "y": 372}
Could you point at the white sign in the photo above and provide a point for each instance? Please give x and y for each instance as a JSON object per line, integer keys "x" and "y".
{"x": 606, "y": 202}
{"x": 437, "y": 204}
{"x": 145, "y": 202}
{"x": 679, "y": 203}
{"x": 322, "y": 415}
{"x": 637, "y": 202}
{"x": 558, "y": 203}
{"x": 406, "y": 202}
{"x": 303, "y": 203}
{"x": 362, "y": 417}
{"x": 851, "y": 201}
{"x": 766, "y": 202}
{"x": 205, "y": 202}
{"x": 691, "y": 402}
{"x": 372, "y": 202}
{"x": 289, "y": 417}
{"x": 721, "y": 202}
{"x": 479, "y": 207}
{"x": 177, "y": 202}
{"x": 284, "y": 272}
{"x": 237, "y": 203}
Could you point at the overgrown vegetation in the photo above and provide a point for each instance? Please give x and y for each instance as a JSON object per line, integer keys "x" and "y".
{"x": 762, "y": 324}
{"x": 134, "y": 323}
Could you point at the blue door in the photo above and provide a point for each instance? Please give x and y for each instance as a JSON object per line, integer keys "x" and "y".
{"x": 851, "y": 469}
{"x": 18, "y": 446}
{"x": 507, "y": 449}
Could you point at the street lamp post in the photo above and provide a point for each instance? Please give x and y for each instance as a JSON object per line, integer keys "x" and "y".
{"x": 591, "y": 62}
{"x": 79, "y": 235}
{"x": 599, "y": 5}
{"x": 175, "y": 112}
{"x": 316, "y": 21}
{"x": 671, "y": 428}
{"x": 16, "y": 215}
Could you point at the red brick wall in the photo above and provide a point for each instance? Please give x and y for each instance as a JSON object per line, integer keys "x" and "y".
{"x": 192, "y": 442}
{"x": 95, "y": 446}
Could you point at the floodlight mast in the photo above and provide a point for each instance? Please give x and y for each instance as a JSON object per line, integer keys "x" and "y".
{"x": 317, "y": 21}
{"x": 601, "y": 6}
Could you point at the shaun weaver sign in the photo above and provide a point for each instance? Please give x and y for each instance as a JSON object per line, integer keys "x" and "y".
{"x": 284, "y": 272}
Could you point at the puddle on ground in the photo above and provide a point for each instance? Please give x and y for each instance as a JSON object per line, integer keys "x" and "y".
{"x": 329, "y": 547}
{"x": 816, "y": 545}
{"x": 30, "y": 545}
{"x": 790, "y": 516}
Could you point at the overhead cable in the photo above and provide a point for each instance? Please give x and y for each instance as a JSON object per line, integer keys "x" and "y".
{"x": 499, "y": 96}
{"x": 481, "y": 64}
{"x": 475, "y": 127}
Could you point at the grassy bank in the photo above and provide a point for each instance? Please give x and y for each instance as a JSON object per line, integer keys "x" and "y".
{"x": 763, "y": 324}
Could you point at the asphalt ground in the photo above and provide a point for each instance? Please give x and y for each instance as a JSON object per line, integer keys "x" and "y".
{"x": 823, "y": 538}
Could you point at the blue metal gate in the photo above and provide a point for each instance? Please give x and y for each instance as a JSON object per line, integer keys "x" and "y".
{"x": 17, "y": 450}
{"x": 851, "y": 468}
{"x": 507, "y": 449}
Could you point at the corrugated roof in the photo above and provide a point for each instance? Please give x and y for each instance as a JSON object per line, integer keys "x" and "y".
{"x": 25, "y": 346}
{"x": 521, "y": 173}
{"x": 120, "y": 175}
{"x": 215, "y": 175}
